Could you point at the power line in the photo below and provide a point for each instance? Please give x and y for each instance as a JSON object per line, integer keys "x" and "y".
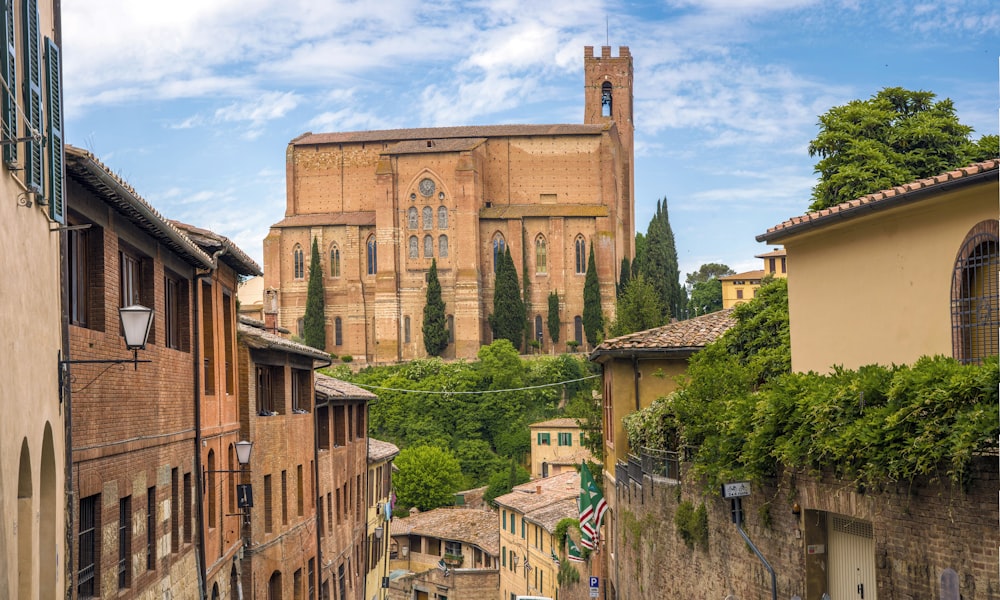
{"x": 446, "y": 393}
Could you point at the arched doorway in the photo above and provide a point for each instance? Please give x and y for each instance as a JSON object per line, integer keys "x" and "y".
{"x": 24, "y": 529}
{"x": 47, "y": 531}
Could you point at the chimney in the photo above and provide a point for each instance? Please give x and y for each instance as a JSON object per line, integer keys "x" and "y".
{"x": 538, "y": 489}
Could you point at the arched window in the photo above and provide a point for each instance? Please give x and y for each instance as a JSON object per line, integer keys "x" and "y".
{"x": 538, "y": 328}
{"x": 443, "y": 246}
{"x": 428, "y": 246}
{"x": 428, "y": 214}
{"x": 411, "y": 218}
{"x": 498, "y": 248}
{"x": 414, "y": 247}
{"x": 211, "y": 489}
{"x": 298, "y": 262}
{"x": 442, "y": 217}
{"x": 338, "y": 331}
{"x": 274, "y": 586}
{"x": 581, "y": 255}
{"x": 541, "y": 255}
{"x": 975, "y": 299}
{"x": 406, "y": 329}
{"x": 334, "y": 261}
{"x": 606, "y": 99}
{"x": 372, "y": 255}
{"x": 578, "y": 329}
{"x": 451, "y": 329}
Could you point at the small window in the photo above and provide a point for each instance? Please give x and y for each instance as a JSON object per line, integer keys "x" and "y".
{"x": 406, "y": 329}
{"x": 975, "y": 295}
{"x": 268, "y": 523}
{"x": 372, "y": 255}
{"x": 451, "y": 329}
{"x": 338, "y": 332}
{"x": 151, "y": 529}
{"x": 498, "y": 249}
{"x": 124, "y": 542}
{"x": 578, "y": 329}
{"x": 543, "y": 439}
{"x": 442, "y": 217}
{"x": 301, "y": 390}
{"x": 334, "y": 261}
{"x": 323, "y": 427}
{"x": 565, "y": 439}
{"x": 88, "y": 573}
{"x": 411, "y": 218}
{"x": 175, "y": 311}
{"x": 428, "y": 217}
{"x": 298, "y": 262}
{"x": 414, "y": 247}
{"x": 541, "y": 255}
{"x": 538, "y": 328}
{"x": 270, "y": 390}
{"x": 739, "y": 294}
{"x": 428, "y": 246}
{"x": 443, "y": 246}
{"x": 581, "y": 255}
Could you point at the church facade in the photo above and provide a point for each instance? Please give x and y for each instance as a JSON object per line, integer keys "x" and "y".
{"x": 383, "y": 204}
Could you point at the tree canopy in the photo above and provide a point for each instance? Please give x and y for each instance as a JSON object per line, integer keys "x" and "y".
{"x": 435, "y": 329}
{"x": 428, "y": 477}
{"x": 894, "y": 137}
{"x": 314, "y": 321}
{"x": 658, "y": 261}
{"x": 706, "y": 289}
{"x": 593, "y": 316}
{"x": 508, "y": 318}
{"x": 639, "y": 308}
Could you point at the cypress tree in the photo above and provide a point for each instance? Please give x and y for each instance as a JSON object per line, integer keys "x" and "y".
{"x": 625, "y": 277}
{"x": 553, "y": 321}
{"x": 593, "y": 317}
{"x": 658, "y": 262}
{"x": 314, "y": 323}
{"x": 508, "y": 315}
{"x": 435, "y": 329}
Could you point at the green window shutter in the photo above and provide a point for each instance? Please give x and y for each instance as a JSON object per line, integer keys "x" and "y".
{"x": 32, "y": 96}
{"x": 54, "y": 125}
{"x": 8, "y": 70}
{"x": 504, "y": 519}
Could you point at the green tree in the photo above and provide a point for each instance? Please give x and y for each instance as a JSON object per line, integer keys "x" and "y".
{"x": 625, "y": 275}
{"x": 894, "y": 137}
{"x": 639, "y": 308}
{"x": 314, "y": 322}
{"x": 502, "y": 482}
{"x": 507, "y": 320}
{"x": 428, "y": 477}
{"x": 553, "y": 319}
{"x": 705, "y": 289}
{"x": 435, "y": 329}
{"x": 593, "y": 316}
{"x": 658, "y": 262}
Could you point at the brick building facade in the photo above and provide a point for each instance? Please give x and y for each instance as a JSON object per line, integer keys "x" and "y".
{"x": 383, "y": 204}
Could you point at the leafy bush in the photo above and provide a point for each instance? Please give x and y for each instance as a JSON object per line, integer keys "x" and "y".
{"x": 692, "y": 524}
{"x": 346, "y": 358}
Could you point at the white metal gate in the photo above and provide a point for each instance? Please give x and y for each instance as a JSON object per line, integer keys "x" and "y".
{"x": 852, "y": 559}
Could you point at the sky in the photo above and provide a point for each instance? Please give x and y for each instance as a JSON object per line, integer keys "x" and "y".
{"x": 193, "y": 102}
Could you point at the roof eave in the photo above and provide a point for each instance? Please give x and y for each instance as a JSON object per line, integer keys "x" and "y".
{"x": 603, "y": 355}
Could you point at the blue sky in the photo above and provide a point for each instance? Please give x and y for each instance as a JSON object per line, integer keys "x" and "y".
{"x": 193, "y": 102}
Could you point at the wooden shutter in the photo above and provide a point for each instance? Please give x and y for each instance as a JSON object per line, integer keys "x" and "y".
{"x": 32, "y": 97}
{"x": 54, "y": 133}
{"x": 8, "y": 70}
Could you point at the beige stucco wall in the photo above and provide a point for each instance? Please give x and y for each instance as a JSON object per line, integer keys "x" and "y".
{"x": 32, "y": 529}
{"x": 878, "y": 288}
{"x": 657, "y": 377}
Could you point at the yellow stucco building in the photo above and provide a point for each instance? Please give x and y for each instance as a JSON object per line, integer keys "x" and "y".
{"x": 741, "y": 287}
{"x": 556, "y": 447}
{"x": 896, "y": 275}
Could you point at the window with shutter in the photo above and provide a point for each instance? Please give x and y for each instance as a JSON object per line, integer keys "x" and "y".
{"x": 8, "y": 71}
{"x": 54, "y": 131}
{"x": 32, "y": 97}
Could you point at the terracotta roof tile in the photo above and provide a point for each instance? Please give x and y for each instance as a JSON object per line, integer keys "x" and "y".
{"x": 330, "y": 387}
{"x": 689, "y": 335}
{"x": 440, "y": 133}
{"x": 563, "y": 422}
{"x": 362, "y": 217}
{"x": 379, "y": 450}
{"x": 211, "y": 242}
{"x": 758, "y": 274}
{"x": 435, "y": 145}
{"x": 911, "y": 191}
{"x": 257, "y": 338}
{"x": 545, "y": 501}
{"x": 479, "y": 527}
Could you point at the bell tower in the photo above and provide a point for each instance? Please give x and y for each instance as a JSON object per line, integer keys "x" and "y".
{"x": 607, "y": 86}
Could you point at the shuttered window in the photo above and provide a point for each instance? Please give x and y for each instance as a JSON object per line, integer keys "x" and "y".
{"x": 8, "y": 71}
{"x": 54, "y": 129}
{"x": 32, "y": 96}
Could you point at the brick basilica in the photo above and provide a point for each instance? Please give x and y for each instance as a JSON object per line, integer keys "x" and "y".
{"x": 383, "y": 204}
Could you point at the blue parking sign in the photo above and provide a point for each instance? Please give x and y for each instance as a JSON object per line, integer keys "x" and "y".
{"x": 594, "y": 582}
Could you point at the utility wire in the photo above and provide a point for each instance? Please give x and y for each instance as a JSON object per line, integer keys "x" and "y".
{"x": 446, "y": 393}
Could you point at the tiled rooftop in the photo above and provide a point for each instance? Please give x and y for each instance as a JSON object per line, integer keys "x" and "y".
{"x": 563, "y": 422}
{"x": 912, "y": 191}
{"x": 442, "y": 133}
{"x": 758, "y": 274}
{"x": 211, "y": 242}
{"x": 435, "y": 145}
{"x": 479, "y": 527}
{"x": 257, "y": 338}
{"x": 361, "y": 217}
{"x": 537, "y": 498}
{"x": 330, "y": 387}
{"x": 379, "y": 450}
{"x": 694, "y": 333}
{"x": 772, "y": 254}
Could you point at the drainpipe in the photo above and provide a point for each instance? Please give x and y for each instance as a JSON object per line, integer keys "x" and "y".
{"x": 70, "y": 501}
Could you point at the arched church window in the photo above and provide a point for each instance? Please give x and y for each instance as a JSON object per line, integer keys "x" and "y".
{"x": 975, "y": 299}
{"x": 428, "y": 213}
{"x": 428, "y": 246}
{"x": 372, "y": 255}
{"x": 298, "y": 262}
{"x": 414, "y": 247}
{"x": 606, "y": 99}
{"x": 578, "y": 329}
{"x": 498, "y": 247}
{"x": 443, "y": 246}
{"x": 334, "y": 261}
{"x": 541, "y": 255}
{"x": 442, "y": 217}
{"x": 581, "y": 255}
{"x": 411, "y": 218}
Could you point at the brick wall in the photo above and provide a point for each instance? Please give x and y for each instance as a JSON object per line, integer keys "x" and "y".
{"x": 919, "y": 531}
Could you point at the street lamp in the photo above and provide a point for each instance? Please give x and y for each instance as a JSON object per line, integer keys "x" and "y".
{"x": 244, "y": 491}
{"x": 136, "y": 321}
